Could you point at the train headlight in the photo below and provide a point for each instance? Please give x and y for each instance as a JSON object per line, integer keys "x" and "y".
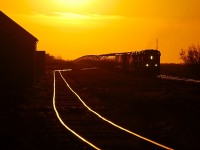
{"x": 147, "y": 65}
{"x": 156, "y": 65}
{"x": 151, "y": 57}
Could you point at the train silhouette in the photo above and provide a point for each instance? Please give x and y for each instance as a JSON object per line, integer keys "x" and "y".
{"x": 145, "y": 62}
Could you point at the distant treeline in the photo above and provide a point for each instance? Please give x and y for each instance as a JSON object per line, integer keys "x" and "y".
{"x": 191, "y": 56}
{"x": 54, "y": 63}
{"x": 191, "y": 59}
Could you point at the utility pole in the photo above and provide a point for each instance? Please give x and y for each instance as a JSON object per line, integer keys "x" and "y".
{"x": 157, "y": 44}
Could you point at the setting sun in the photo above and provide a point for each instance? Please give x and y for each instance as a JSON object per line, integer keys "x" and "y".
{"x": 135, "y": 61}
{"x": 81, "y": 27}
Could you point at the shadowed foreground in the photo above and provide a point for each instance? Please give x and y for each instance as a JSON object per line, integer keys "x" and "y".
{"x": 164, "y": 111}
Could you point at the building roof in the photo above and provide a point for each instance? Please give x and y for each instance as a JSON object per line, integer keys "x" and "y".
{"x": 10, "y": 28}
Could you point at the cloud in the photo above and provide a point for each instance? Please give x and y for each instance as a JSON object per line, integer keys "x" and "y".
{"x": 82, "y": 16}
{"x": 72, "y": 19}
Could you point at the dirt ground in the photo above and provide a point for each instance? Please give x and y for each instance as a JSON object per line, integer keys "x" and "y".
{"x": 164, "y": 111}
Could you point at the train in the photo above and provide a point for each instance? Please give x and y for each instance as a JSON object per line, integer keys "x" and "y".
{"x": 144, "y": 62}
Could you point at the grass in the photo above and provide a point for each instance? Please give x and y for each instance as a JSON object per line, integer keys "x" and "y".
{"x": 165, "y": 111}
{"x": 181, "y": 70}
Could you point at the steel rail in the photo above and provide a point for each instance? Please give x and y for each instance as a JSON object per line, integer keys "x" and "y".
{"x": 60, "y": 119}
{"x": 110, "y": 122}
{"x": 175, "y": 78}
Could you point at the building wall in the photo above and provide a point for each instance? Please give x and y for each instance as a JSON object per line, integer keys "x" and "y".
{"x": 40, "y": 63}
{"x": 17, "y": 54}
{"x": 17, "y": 62}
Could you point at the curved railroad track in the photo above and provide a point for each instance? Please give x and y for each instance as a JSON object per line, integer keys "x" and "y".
{"x": 89, "y": 126}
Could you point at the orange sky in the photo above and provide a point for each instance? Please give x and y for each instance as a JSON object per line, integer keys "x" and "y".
{"x": 73, "y": 28}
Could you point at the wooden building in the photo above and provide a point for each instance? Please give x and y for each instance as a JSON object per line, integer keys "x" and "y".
{"x": 17, "y": 54}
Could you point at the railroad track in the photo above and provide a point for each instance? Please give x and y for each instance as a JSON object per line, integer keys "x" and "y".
{"x": 94, "y": 130}
{"x": 167, "y": 77}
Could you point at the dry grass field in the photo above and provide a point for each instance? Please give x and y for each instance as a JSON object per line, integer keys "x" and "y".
{"x": 181, "y": 70}
{"x": 164, "y": 111}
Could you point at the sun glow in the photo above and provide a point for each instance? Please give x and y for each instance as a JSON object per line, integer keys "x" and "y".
{"x": 73, "y": 3}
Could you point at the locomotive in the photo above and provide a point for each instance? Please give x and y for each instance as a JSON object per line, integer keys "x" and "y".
{"x": 145, "y": 62}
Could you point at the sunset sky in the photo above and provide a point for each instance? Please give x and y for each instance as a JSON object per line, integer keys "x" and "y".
{"x": 73, "y": 28}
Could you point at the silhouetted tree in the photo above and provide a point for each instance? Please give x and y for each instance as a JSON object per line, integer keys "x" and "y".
{"x": 191, "y": 56}
{"x": 53, "y": 59}
{"x": 58, "y": 62}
